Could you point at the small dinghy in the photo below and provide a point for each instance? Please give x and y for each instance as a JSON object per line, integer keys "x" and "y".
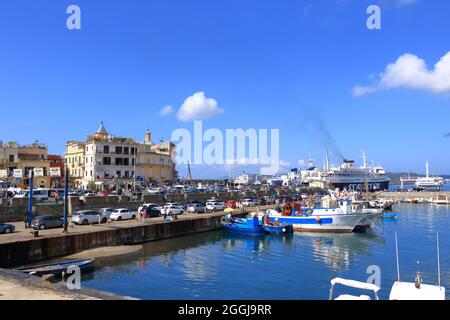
{"x": 56, "y": 268}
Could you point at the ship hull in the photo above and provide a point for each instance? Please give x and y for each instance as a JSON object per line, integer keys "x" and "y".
{"x": 361, "y": 186}
{"x": 332, "y": 223}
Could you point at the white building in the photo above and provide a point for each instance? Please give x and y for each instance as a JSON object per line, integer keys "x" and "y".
{"x": 109, "y": 159}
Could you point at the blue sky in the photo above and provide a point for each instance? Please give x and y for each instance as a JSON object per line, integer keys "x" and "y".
{"x": 283, "y": 64}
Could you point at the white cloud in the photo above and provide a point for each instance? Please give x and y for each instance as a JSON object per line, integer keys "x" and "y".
{"x": 284, "y": 164}
{"x": 359, "y": 91}
{"x": 301, "y": 163}
{"x": 166, "y": 111}
{"x": 409, "y": 71}
{"x": 198, "y": 107}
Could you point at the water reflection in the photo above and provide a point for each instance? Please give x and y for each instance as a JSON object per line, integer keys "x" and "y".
{"x": 218, "y": 265}
{"x": 338, "y": 251}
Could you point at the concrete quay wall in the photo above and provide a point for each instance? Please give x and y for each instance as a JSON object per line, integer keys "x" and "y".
{"x": 410, "y": 195}
{"x": 48, "y": 247}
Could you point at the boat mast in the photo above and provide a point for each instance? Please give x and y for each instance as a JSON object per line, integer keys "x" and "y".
{"x": 438, "y": 260}
{"x": 364, "y": 159}
{"x": 396, "y": 253}
{"x": 327, "y": 159}
{"x": 427, "y": 168}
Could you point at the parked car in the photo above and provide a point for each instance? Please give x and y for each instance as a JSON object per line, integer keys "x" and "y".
{"x": 103, "y": 193}
{"x": 196, "y": 208}
{"x": 233, "y": 204}
{"x": 86, "y": 217}
{"x": 152, "y": 212}
{"x": 122, "y": 214}
{"x": 173, "y": 209}
{"x": 249, "y": 202}
{"x": 106, "y": 212}
{"x": 215, "y": 206}
{"x": 188, "y": 203}
{"x": 6, "y": 228}
{"x": 47, "y": 222}
{"x": 145, "y": 205}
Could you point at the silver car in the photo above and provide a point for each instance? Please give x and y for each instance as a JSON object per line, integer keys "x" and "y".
{"x": 196, "y": 208}
{"x": 86, "y": 217}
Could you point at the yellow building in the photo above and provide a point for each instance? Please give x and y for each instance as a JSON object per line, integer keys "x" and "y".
{"x": 16, "y": 163}
{"x": 75, "y": 161}
{"x": 154, "y": 162}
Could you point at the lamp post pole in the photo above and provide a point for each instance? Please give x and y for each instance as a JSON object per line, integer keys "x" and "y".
{"x": 66, "y": 197}
{"x": 30, "y": 199}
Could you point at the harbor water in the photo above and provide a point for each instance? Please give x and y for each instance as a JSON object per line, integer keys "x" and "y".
{"x": 216, "y": 265}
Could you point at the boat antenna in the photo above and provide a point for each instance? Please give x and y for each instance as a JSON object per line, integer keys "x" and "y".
{"x": 438, "y": 260}
{"x": 396, "y": 254}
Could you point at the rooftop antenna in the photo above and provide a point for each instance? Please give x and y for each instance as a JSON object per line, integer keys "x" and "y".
{"x": 396, "y": 254}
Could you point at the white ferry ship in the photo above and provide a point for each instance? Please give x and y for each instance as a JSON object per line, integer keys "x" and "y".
{"x": 428, "y": 183}
{"x": 349, "y": 177}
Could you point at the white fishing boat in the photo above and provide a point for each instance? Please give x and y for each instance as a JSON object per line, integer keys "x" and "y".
{"x": 343, "y": 218}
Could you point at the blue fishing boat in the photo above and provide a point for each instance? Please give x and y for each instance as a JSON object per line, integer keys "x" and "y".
{"x": 390, "y": 215}
{"x": 57, "y": 268}
{"x": 248, "y": 226}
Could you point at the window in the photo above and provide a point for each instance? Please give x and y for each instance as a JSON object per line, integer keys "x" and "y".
{"x": 127, "y": 174}
{"x": 11, "y": 158}
{"x": 107, "y": 161}
{"x": 119, "y": 161}
{"x": 126, "y": 150}
{"x": 119, "y": 174}
{"x": 118, "y": 150}
{"x": 105, "y": 149}
{"x": 126, "y": 162}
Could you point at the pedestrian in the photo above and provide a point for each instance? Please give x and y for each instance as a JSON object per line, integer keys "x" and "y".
{"x": 165, "y": 209}
{"x": 25, "y": 220}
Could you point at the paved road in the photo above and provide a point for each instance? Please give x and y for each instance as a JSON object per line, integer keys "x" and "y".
{"x": 22, "y": 234}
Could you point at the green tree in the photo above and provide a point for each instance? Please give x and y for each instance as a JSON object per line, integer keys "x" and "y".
{"x": 91, "y": 186}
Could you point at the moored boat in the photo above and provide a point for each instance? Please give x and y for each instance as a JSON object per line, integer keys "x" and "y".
{"x": 57, "y": 268}
{"x": 245, "y": 226}
{"x": 340, "y": 219}
{"x": 440, "y": 199}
